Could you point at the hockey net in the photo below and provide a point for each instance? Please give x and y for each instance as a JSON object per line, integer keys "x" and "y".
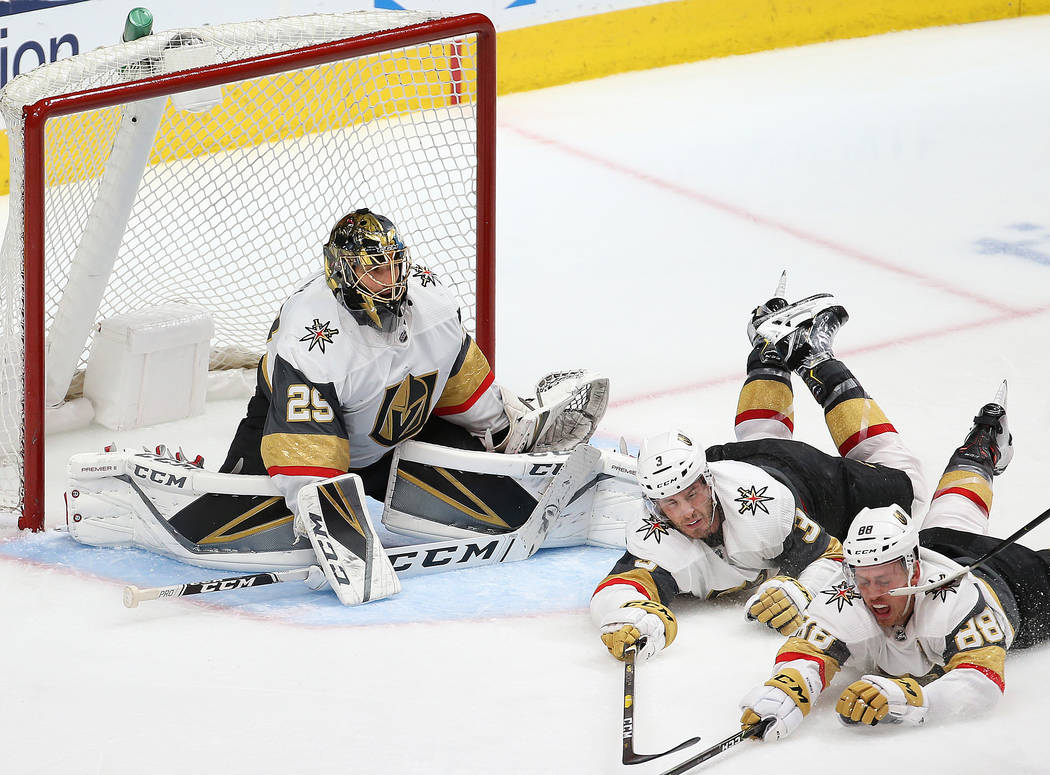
{"x": 265, "y": 134}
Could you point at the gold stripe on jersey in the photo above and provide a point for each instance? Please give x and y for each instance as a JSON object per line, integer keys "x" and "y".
{"x": 265, "y": 372}
{"x": 800, "y": 648}
{"x": 312, "y": 450}
{"x": 991, "y": 658}
{"x": 973, "y": 483}
{"x": 638, "y": 578}
{"x": 274, "y": 328}
{"x": 766, "y": 394}
{"x": 226, "y": 532}
{"x": 482, "y": 513}
{"x": 851, "y": 417}
{"x": 834, "y": 550}
{"x": 467, "y": 379}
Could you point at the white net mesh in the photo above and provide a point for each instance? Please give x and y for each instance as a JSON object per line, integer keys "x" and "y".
{"x": 236, "y": 200}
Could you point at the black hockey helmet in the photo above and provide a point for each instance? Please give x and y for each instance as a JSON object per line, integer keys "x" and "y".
{"x": 367, "y": 266}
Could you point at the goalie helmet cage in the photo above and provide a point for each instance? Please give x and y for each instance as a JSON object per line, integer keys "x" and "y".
{"x": 258, "y": 137}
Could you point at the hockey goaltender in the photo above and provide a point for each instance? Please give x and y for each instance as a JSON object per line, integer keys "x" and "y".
{"x": 370, "y": 385}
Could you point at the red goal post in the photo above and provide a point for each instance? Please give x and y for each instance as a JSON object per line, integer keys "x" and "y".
{"x": 291, "y": 123}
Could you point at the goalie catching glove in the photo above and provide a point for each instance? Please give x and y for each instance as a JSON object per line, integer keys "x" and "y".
{"x": 875, "y": 698}
{"x": 785, "y": 698}
{"x": 565, "y": 412}
{"x": 644, "y": 623}
{"x": 779, "y": 604}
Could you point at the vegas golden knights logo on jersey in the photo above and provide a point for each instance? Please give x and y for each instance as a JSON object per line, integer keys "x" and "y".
{"x": 404, "y": 409}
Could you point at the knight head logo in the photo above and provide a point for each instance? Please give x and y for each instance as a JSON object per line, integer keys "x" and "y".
{"x": 404, "y": 409}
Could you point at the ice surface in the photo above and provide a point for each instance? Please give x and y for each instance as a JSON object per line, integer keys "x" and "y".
{"x": 640, "y": 218}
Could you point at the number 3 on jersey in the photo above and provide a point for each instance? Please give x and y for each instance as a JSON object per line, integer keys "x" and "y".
{"x": 810, "y": 530}
{"x": 305, "y": 404}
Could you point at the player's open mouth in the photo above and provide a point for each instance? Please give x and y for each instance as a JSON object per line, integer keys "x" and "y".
{"x": 881, "y": 611}
{"x": 701, "y": 523}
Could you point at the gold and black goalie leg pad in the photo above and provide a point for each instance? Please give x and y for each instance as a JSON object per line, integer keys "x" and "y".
{"x": 335, "y": 519}
{"x": 218, "y": 522}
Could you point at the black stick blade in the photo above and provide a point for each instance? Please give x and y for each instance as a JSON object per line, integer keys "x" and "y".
{"x": 630, "y": 757}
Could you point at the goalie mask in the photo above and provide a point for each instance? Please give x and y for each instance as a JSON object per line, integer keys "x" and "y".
{"x": 367, "y": 266}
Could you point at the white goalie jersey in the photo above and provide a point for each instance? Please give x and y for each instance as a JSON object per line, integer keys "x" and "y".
{"x": 343, "y": 394}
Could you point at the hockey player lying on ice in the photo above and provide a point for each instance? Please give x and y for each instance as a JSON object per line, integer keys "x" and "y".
{"x": 936, "y": 653}
{"x": 360, "y": 360}
{"x": 728, "y": 518}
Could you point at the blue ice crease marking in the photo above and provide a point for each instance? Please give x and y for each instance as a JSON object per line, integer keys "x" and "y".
{"x": 553, "y": 580}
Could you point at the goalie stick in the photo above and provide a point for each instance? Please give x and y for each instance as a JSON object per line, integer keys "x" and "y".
{"x": 689, "y": 764}
{"x": 629, "y": 754}
{"x": 434, "y": 557}
{"x": 946, "y": 580}
{"x": 134, "y": 595}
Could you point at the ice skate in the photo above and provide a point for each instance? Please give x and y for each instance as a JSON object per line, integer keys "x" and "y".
{"x": 768, "y": 352}
{"x": 803, "y": 332}
{"x": 764, "y": 312}
{"x": 989, "y": 444}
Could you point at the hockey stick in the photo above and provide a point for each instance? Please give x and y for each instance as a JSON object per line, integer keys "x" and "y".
{"x": 134, "y": 595}
{"x": 435, "y": 557}
{"x": 752, "y": 731}
{"x": 629, "y": 755}
{"x": 946, "y": 580}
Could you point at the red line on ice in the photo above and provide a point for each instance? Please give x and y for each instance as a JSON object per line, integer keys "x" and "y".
{"x": 748, "y": 215}
{"x": 1007, "y": 313}
{"x": 910, "y": 339}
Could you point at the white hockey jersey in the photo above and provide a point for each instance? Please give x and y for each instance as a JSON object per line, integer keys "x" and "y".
{"x": 762, "y": 531}
{"x": 343, "y": 394}
{"x": 960, "y": 632}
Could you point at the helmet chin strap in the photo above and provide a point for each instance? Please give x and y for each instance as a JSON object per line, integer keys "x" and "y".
{"x": 709, "y": 480}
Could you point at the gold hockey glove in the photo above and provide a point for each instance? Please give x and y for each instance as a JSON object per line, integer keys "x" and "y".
{"x": 779, "y": 604}
{"x": 635, "y": 620}
{"x": 876, "y": 698}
